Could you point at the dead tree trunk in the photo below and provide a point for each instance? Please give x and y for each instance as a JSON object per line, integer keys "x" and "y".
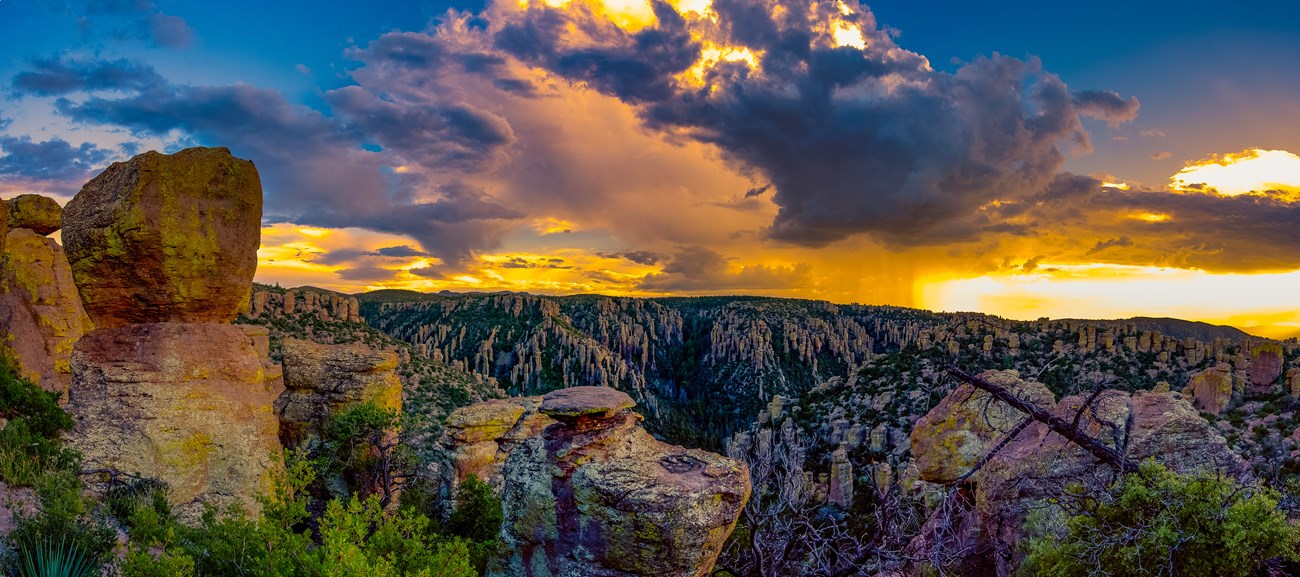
{"x": 1058, "y": 425}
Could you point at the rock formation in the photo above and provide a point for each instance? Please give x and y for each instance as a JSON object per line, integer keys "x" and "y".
{"x": 1037, "y": 466}
{"x": 163, "y": 250}
{"x": 320, "y": 380}
{"x": 587, "y": 492}
{"x": 34, "y": 212}
{"x": 1211, "y": 389}
{"x": 40, "y": 313}
{"x": 187, "y": 226}
{"x": 951, "y": 438}
{"x": 326, "y": 306}
{"x": 187, "y": 403}
{"x": 1265, "y": 366}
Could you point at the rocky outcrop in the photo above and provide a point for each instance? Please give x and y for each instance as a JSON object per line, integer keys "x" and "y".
{"x": 184, "y": 226}
{"x": 326, "y": 306}
{"x": 321, "y": 380}
{"x": 1039, "y": 466}
{"x": 480, "y": 437}
{"x": 1265, "y": 367}
{"x": 1211, "y": 389}
{"x": 587, "y": 492}
{"x": 1036, "y": 466}
{"x": 187, "y": 403}
{"x": 40, "y": 314}
{"x": 163, "y": 250}
{"x": 951, "y": 438}
{"x": 34, "y": 212}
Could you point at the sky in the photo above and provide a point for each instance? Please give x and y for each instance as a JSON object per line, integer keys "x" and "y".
{"x": 1018, "y": 158}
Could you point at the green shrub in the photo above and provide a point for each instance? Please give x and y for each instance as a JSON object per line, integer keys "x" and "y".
{"x": 1157, "y": 522}
{"x": 360, "y": 448}
{"x": 476, "y": 518}
{"x": 62, "y": 516}
{"x": 47, "y": 559}
{"x": 21, "y": 399}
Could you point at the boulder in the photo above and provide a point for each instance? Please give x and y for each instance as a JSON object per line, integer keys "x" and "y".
{"x": 480, "y": 437}
{"x": 187, "y": 403}
{"x": 593, "y": 494}
{"x": 953, "y": 436}
{"x": 1211, "y": 389}
{"x": 164, "y": 238}
{"x": 321, "y": 380}
{"x": 34, "y": 212}
{"x": 40, "y": 314}
{"x": 1265, "y": 366}
{"x": 1039, "y": 466}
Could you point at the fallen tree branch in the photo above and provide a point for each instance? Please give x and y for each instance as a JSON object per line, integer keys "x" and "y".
{"x": 1058, "y": 425}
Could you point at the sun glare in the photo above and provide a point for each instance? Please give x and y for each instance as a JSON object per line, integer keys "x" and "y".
{"x": 1253, "y": 170}
{"x": 1112, "y": 291}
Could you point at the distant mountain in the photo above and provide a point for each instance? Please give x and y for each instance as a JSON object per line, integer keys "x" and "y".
{"x": 1177, "y": 328}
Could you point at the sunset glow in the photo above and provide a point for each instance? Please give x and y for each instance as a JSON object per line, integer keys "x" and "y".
{"x": 1236, "y": 173}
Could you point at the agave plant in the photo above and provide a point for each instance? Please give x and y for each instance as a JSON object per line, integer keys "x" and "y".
{"x": 47, "y": 559}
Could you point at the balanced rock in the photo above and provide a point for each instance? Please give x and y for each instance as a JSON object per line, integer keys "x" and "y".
{"x": 34, "y": 212}
{"x": 1211, "y": 389}
{"x": 40, "y": 314}
{"x": 321, "y": 380}
{"x": 164, "y": 238}
{"x": 953, "y": 436}
{"x": 188, "y": 403}
{"x": 1038, "y": 466}
{"x": 593, "y": 494}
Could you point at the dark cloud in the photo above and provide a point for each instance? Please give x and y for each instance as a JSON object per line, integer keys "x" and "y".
{"x": 1031, "y": 265}
{"x": 758, "y": 191}
{"x": 313, "y": 167}
{"x": 854, "y": 141}
{"x": 399, "y": 252}
{"x": 697, "y": 268}
{"x": 1107, "y": 106}
{"x": 54, "y": 161}
{"x": 145, "y": 21}
{"x": 1123, "y": 241}
{"x": 644, "y": 257}
{"x": 1249, "y": 232}
{"x": 58, "y": 76}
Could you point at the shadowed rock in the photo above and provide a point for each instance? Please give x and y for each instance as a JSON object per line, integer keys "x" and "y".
{"x": 166, "y": 238}
{"x": 34, "y": 212}
{"x": 321, "y": 380}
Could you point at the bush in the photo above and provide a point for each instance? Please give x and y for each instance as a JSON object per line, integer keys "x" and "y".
{"x": 21, "y": 399}
{"x": 357, "y": 538}
{"x": 360, "y": 447}
{"x": 477, "y": 518}
{"x": 29, "y": 446}
{"x": 64, "y": 517}
{"x": 1156, "y": 522}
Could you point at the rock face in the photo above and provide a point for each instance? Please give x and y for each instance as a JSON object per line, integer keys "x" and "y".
{"x": 953, "y": 436}
{"x": 34, "y": 212}
{"x": 587, "y": 492}
{"x": 1211, "y": 389}
{"x": 321, "y": 380}
{"x": 1265, "y": 366}
{"x": 188, "y": 403}
{"x": 40, "y": 314}
{"x": 1038, "y": 465}
{"x": 166, "y": 238}
{"x": 163, "y": 250}
{"x": 480, "y": 437}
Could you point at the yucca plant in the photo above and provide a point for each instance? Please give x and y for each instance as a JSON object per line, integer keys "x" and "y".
{"x": 46, "y": 559}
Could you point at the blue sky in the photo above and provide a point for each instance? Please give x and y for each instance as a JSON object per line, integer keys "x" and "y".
{"x": 824, "y": 148}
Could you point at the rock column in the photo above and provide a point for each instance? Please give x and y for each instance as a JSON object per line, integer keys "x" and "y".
{"x": 163, "y": 251}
